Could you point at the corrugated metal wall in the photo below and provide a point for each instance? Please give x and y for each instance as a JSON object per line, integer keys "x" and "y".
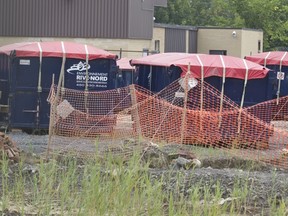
{"x": 175, "y": 40}
{"x": 192, "y": 46}
{"x": 141, "y": 19}
{"x": 65, "y": 18}
{"x": 162, "y": 3}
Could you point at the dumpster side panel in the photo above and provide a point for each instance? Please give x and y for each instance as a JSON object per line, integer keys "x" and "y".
{"x": 26, "y": 103}
{"x": 158, "y": 77}
{"x": 28, "y": 100}
{"x": 4, "y": 88}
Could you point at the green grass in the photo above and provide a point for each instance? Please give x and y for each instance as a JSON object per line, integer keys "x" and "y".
{"x": 113, "y": 187}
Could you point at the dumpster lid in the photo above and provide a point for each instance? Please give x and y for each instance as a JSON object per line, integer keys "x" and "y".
{"x": 212, "y": 64}
{"x": 55, "y": 49}
{"x": 124, "y": 64}
{"x": 272, "y": 58}
{"x": 160, "y": 59}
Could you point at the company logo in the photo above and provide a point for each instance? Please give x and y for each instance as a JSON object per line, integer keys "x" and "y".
{"x": 81, "y": 66}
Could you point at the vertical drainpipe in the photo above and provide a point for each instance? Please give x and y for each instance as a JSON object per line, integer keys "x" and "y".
{"x": 243, "y": 96}
{"x": 279, "y": 81}
{"x": 39, "y": 88}
{"x": 222, "y": 90}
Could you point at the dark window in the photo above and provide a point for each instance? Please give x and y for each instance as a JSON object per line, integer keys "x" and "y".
{"x": 259, "y": 46}
{"x": 218, "y": 52}
{"x": 157, "y": 45}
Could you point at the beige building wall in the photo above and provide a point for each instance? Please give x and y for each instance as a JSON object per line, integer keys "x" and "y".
{"x": 244, "y": 42}
{"x": 252, "y": 42}
{"x": 130, "y": 48}
{"x": 237, "y": 42}
{"x": 158, "y": 34}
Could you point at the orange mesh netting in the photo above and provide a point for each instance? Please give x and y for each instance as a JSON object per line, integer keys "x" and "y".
{"x": 198, "y": 115}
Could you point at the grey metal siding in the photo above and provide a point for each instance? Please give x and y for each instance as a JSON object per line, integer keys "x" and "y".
{"x": 162, "y": 3}
{"x": 141, "y": 19}
{"x": 64, "y": 18}
{"x": 192, "y": 46}
{"x": 175, "y": 40}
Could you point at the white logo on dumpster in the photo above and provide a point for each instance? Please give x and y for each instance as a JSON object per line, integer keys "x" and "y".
{"x": 81, "y": 66}
{"x": 95, "y": 79}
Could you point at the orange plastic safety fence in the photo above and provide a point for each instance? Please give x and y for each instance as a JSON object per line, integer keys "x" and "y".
{"x": 198, "y": 115}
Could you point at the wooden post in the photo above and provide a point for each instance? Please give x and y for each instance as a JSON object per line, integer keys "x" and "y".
{"x": 222, "y": 91}
{"x": 243, "y": 97}
{"x": 183, "y": 123}
{"x": 134, "y": 111}
{"x": 51, "y": 122}
{"x": 53, "y": 106}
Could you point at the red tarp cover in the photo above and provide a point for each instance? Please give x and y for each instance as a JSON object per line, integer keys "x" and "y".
{"x": 54, "y": 49}
{"x": 212, "y": 64}
{"x": 272, "y": 58}
{"x": 124, "y": 64}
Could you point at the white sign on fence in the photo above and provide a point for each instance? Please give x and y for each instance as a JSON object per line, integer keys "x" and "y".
{"x": 280, "y": 75}
{"x": 179, "y": 94}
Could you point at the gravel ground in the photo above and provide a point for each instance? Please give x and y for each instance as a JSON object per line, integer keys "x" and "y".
{"x": 26, "y": 142}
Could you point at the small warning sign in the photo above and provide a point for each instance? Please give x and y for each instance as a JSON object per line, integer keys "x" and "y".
{"x": 64, "y": 109}
{"x": 179, "y": 94}
{"x": 280, "y": 75}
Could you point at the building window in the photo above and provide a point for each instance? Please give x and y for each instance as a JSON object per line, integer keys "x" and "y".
{"x": 218, "y": 52}
{"x": 157, "y": 46}
{"x": 259, "y": 46}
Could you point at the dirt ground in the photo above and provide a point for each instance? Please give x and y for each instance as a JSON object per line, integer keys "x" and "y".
{"x": 217, "y": 167}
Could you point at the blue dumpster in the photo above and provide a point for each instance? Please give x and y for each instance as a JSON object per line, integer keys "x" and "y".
{"x": 156, "y": 78}
{"x": 126, "y": 74}
{"x": 159, "y": 70}
{"x": 34, "y": 66}
{"x": 277, "y": 62}
{"x": 4, "y": 90}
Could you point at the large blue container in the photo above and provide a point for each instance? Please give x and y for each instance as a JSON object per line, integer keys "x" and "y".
{"x": 29, "y": 107}
{"x": 156, "y": 78}
{"x": 4, "y": 89}
{"x": 127, "y": 74}
{"x": 275, "y": 81}
{"x": 273, "y": 60}
{"x": 125, "y": 78}
{"x": 257, "y": 90}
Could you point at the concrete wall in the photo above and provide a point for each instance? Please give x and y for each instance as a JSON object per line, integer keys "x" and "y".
{"x": 250, "y": 40}
{"x": 135, "y": 47}
{"x": 245, "y": 43}
{"x": 240, "y": 44}
{"x": 131, "y": 48}
{"x": 159, "y": 34}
